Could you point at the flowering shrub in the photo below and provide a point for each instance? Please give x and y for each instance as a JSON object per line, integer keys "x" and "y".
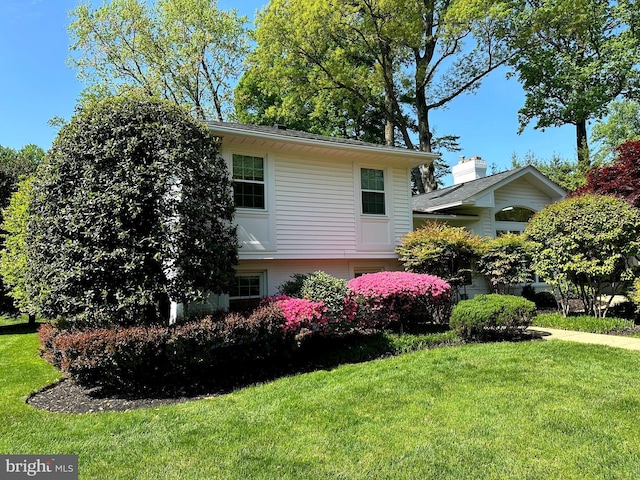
{"x": 392, "y": 297}
{"x": 302, "y": 317}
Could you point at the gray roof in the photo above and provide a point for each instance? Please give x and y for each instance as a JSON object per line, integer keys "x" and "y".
{"x": 282, "y": 131}
{"x": 464, "y": 192}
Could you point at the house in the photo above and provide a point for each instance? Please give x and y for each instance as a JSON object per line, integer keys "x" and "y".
{"x": 488, "y": 206}
{"x": 308, "y": 202}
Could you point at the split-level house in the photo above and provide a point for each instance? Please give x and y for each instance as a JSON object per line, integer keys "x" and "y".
{"x": 488, "y": 206}
{"x": 308, "y": 202}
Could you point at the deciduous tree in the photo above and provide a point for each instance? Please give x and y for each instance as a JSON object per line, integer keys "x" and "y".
{"x": 574, "y": 57}
{"x": 186, "y": 51}
{"x": 401, "y": 58}
{"x": 620, "y": 179}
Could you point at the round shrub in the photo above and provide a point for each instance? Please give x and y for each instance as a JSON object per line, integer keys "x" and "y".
{"x": 493, "y": 314}
{"x": 394, "y": 297}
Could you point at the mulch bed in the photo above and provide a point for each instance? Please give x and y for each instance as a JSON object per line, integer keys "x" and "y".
{"x": 66, "y": 396}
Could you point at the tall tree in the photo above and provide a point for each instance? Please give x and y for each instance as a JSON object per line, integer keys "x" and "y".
{"x": 622, "y": 124}
{"x": 574, "y": 58}
{"x": 14, "y": 166}
{"x": 186, "y": 51}
{"x": 401, "y": 58}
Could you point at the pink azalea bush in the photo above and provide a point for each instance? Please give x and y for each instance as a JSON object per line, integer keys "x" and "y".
{"x": 391, "y": 297}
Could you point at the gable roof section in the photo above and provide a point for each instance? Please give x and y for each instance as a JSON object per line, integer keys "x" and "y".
{"x": 310, "y": 141}
{"x": 465, "y": 193}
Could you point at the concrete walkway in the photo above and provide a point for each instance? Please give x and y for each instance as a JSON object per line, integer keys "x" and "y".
{"x": 583, "y": 337}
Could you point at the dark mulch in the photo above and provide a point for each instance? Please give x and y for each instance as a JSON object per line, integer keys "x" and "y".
{"x": 67, "y": 396}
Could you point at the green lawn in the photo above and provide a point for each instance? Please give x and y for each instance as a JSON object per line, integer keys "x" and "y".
{"x": 530, "y": 410}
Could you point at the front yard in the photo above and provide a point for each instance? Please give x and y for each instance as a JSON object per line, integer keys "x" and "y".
{"x": 502, "y": 410}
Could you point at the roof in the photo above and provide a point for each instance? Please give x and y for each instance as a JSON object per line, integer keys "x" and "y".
{"x": 464, "y": 192}
{"x": 282, "y": 133}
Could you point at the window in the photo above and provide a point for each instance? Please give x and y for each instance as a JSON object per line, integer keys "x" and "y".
{"x": 247, "y": 286}
{"x": 248, "y": 181}
{"x": 247, "y": 292}
{"x": 372, "y": 186}
{"x": 514, "y": 214}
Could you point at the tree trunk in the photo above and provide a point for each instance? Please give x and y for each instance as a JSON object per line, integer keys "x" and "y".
{"x": 584, "y": 162}
{"x": 425, "y": 136}
{"x": 32, "y": 318}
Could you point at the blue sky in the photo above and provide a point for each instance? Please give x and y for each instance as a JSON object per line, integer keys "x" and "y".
{"x": 36, "y": 84}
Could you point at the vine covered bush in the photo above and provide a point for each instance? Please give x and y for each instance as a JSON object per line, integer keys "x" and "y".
{"x": 396, "y": 297}
{"x": 492, "y": 314}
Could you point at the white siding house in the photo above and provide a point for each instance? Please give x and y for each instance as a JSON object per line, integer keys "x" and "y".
{"x": 308, "y": 202}
{"x": 487, "y": 205}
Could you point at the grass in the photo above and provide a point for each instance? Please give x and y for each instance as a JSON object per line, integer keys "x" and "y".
{"x": 584, "y": 323}
{"x": 506, "y": 410}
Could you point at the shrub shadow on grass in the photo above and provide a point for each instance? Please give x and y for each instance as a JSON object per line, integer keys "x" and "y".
{"x": 19, "y": 328}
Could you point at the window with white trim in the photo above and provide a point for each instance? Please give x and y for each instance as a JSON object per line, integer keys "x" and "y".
{"x": 372, "y": 189}
{"x": 248, "y": 181}
{"x": 247, "y": 291}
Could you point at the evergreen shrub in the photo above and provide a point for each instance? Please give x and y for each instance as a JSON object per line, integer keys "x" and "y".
{"x": 490, "y": 315}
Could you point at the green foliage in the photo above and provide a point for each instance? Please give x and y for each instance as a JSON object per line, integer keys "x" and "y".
{"x": 366, "y": 69}
{"x": 293, "y": 287}
{"x": 585, "y": 242}
{"x": 441, "y": 250}
{"x": 322, "y": 287}
{"x": 565, "y": 172}
{"x": 131, "y": 207}
{"x": 583, "y": 323}
{"x": 543, "y": 300}
{"x": 493, "y": 314}
{"x": 573, "y": 59}
{"x": 504, "y": 261}
{"x": 13, "y": 258}
{"x": 622, "y": 124}
{"x": 186, "y": 51}
{"x": 134, "y": 359}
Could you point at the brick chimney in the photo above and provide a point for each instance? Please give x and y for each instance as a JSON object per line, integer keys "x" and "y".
{"x": 469, "y": 169}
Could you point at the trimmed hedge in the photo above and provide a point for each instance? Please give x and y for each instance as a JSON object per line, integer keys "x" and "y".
{"x": 493, "y": 314}
{"x": 130, "y": 359}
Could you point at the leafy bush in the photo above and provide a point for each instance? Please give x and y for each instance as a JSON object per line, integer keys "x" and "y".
{"x": 331, "y": 291}
{"x": 149, "y": 357}
{"x": 487, "y": 315}
{"x": 583, "y": 244}
{"x": 293, "y": 287}
{"x": 504, "y": 262}
{"x": 441, "y": 250}
{"x": 543, "y": 300}
{"x": 396, "y": 297}
{"x": 132, "y": 206}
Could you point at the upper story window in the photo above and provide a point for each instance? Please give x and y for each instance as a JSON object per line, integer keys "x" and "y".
{"x": 372, "y": 187}
{"x": 248, "y": 181}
